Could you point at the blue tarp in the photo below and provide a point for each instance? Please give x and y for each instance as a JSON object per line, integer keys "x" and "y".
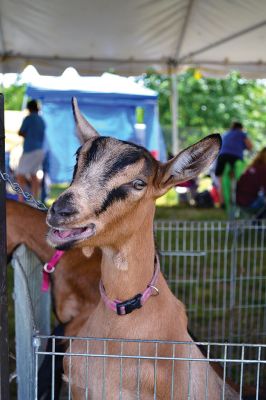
{"x": 112, "y": 111}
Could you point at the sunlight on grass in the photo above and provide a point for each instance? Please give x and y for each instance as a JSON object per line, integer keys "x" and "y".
{"x": 168, "y": 200}
{"x": 187, "y": 213}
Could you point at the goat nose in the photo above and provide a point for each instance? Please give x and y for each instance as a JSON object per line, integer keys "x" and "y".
{"x": 62, "y": 209}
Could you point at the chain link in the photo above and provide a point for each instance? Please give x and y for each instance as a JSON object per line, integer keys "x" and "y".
{"x": 27, "y": 196}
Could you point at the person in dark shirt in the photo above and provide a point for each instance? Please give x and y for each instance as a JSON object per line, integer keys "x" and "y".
{"x": 234, "y": 142}
{"x": 33, "y": 131}
{"x": 251, "y": 187}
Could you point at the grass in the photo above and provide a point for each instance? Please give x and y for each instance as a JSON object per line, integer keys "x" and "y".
{"x": 188, "y": 213}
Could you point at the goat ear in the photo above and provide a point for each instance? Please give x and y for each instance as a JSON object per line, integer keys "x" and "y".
{"x": 189, "y": 163}
{"x": 84, "y": 129}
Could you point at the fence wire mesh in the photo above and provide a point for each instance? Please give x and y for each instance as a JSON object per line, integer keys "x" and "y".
{"x": 110, "y": 369}
{"x": 218, "y": 270}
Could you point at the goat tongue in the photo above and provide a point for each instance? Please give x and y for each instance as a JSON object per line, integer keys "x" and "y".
{"x": 70, "y": 232}
{"x": 64, "y": 234}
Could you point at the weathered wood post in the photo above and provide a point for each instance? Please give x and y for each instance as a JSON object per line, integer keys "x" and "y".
{"x": 4, "y": 362}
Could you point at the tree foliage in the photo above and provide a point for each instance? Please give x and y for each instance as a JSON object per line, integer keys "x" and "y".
{"x": 14, "y": 96}
{"x": 205, "y": 104}
{"x": 209, "y": 105}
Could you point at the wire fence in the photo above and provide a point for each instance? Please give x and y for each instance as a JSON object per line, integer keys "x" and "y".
{"x": 109, "y": 369}
{"x": 218, "y": 270}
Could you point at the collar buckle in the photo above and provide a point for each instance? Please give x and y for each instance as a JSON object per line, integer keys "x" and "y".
{"x": 126, "y": 307}
{"x": 48, "y": 268}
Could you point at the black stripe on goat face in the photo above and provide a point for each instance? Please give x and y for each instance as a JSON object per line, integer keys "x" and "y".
{"x": 76, "y": 165}
{"x": 94, "y": 153}
{"x": 122, "y": 192}
{"x": 130, "y": 157}
{"x": 131, "y": 154}
{"x": 116, "y": 194}
{"x": 114, "y": 155}
{"x": 115, "y": 161}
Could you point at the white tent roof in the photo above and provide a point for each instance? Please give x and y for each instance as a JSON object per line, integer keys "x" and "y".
{"x": 71, "y": 80}
{"x": 94, "y": 36}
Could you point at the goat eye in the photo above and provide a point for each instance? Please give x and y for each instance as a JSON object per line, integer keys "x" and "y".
{"x": 138, "y": 184}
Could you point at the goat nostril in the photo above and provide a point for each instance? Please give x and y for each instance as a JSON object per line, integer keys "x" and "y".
{"x": 64, "y": 206}
{"x": 61, "y": 209}
{"x": 65, "y": 212}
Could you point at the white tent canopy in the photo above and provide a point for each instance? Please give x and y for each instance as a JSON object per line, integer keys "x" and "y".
{"x": 71, "y": 80}
{"x": 126, "y": 36}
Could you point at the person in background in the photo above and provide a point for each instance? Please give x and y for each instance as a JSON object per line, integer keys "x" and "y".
{"x": 251, "y": 187}
{"x": 234, "y": 142}
{"x": 33, "y": 131}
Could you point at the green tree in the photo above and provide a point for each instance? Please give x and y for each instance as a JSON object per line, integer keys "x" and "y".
{"x": 210, "y": 105}
{"x": 14, "y": 96}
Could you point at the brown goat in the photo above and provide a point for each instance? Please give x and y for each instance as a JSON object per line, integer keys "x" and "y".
{"x": 110, "y": 204}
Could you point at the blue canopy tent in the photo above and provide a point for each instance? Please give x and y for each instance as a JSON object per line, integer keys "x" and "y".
{"x": 109, "y": 102}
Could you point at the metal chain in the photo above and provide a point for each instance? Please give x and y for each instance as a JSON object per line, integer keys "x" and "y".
{"x": 27, "y": 196}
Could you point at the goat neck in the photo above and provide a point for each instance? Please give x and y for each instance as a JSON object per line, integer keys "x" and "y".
{"x": 128, "y": 266}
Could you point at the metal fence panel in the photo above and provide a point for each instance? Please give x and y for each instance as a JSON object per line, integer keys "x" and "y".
{"x": 218, "y": 270}
{"x": 140, "y": 369}
{"x": 32, "y": 315}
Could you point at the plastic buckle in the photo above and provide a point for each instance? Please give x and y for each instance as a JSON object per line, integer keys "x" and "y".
{"x": 49, "y": 270}
{"x": 129, "y": 305}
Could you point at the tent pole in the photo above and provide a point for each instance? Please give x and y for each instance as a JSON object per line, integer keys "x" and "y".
{"x": 175, "y": 138}
{"x": 4, "y": 364}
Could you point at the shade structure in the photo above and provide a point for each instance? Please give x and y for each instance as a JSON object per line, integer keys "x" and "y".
{"x": 129, "y": 36}
{"x": 109, "y": 102}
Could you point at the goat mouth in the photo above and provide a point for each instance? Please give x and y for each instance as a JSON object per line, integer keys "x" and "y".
{"x": 61, "y": 237}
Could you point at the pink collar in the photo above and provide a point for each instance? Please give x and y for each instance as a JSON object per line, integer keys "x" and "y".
{"x": 48, "y": 268}
{"x": 126, "y": 307}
